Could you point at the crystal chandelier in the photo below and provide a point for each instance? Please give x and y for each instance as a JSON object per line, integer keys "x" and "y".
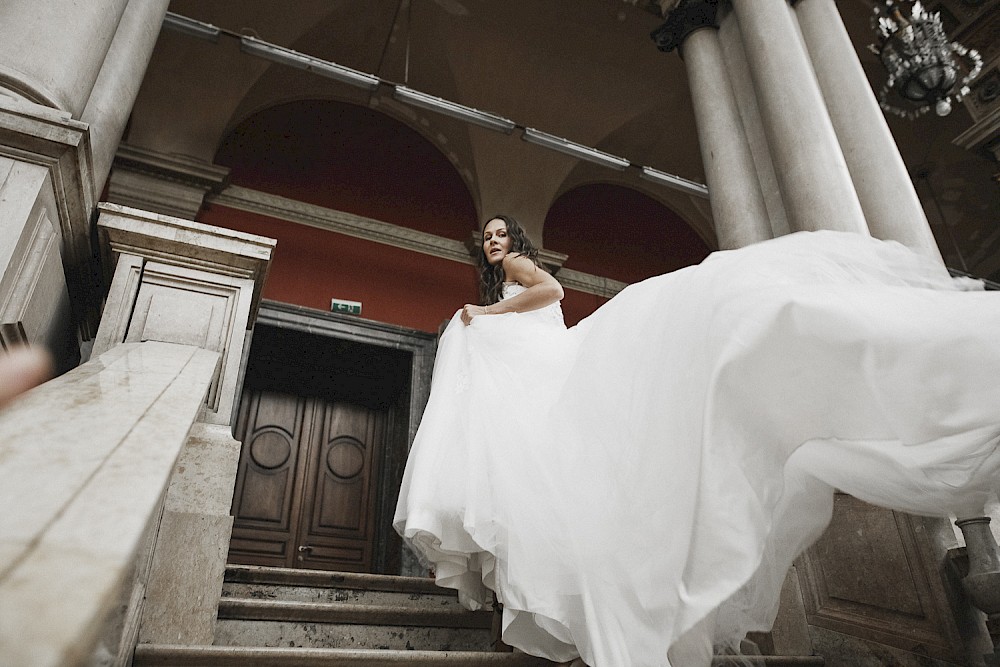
{"x": 923, "y": 64}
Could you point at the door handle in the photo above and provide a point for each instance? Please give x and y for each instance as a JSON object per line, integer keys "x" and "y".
{"x": 304, "y": 551}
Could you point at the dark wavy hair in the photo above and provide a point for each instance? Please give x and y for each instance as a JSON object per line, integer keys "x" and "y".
{"x": 491, "y": 277}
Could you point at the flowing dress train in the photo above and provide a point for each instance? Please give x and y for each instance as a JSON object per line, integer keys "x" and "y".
{"x": 647, "y": 476}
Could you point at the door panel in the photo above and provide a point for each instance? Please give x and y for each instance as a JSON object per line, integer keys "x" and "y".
{"x": 338, "y": 512}
{"x": 305, "y": 491}
{"x": 270, "y": 425}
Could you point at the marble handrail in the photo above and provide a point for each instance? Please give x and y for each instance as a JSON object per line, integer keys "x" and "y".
{"x": 84, "y": 462}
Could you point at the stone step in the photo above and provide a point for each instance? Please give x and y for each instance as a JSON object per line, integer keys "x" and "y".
{"x": 768, "y": 661}
{"x": 278, "y": 616}
{"x": 154, "y": 655}
{"x": 269, "y": 623}
{"x": 268, "y": 583}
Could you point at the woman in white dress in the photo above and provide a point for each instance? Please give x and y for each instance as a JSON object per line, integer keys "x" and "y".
{"x": 634, "y": 488}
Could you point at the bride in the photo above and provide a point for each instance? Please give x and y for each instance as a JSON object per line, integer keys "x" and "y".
{"x": 634, "y": 488}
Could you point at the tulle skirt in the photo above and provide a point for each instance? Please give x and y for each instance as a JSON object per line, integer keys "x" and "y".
{"x": 639, "y": 484}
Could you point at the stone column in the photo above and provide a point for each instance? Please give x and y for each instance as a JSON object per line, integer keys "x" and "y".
{"x": 887, "y": 195}
{"x": 67, "y": 70}
{"x": 746, "y": 100}
{"x": 816, "y": 185}
{"x": 738, "y": 210}
{"x": 117, "y": 85}
{"x": 51, "y": 52}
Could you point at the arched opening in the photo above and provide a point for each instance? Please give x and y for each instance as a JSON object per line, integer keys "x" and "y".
{"x": 617, "y": 232}
{"x": 349, "y": 158}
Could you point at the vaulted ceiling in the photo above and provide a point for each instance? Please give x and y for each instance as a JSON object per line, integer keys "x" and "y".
{"x": 586, "y": 70}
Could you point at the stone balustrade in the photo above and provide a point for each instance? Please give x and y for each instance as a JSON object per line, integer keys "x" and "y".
{"x": 85, "y": 460}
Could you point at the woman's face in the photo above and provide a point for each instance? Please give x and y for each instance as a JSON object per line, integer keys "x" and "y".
{"x": 496, "y": 242}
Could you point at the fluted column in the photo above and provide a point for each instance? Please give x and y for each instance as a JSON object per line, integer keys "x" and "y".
{"x": 51, "y": 51}
{"x": 884, "y": 188}
{"x": 738, "y": 210}
{"x": 118, "y": 83}
{"x": 816, "y": 185}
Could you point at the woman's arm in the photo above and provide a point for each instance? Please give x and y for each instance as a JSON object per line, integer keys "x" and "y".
{"x": 542, "y": 290}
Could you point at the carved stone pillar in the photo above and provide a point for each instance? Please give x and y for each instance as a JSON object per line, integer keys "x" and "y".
{"x": 883, "y": 184}
{"x": 117, "y": 85}
{"x": 51, "y": 52}
{"x": 177, "y": 281}
{"x": 738, "y": 210}
{"x": 816, "y": 185}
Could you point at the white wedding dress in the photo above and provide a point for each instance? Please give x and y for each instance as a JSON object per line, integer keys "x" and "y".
{"x": 644, "y": 479}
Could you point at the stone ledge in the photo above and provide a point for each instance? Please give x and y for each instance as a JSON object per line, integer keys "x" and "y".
{"x": 230, "y": 656}
{"x": 252, "y": 574}
{"x": 86, "y": 459}
{"x": 282, "y": 208}
{"x": 360, "y": 614}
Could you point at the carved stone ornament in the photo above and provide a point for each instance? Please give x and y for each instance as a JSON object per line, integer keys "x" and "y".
{"x": 685, "y": 18}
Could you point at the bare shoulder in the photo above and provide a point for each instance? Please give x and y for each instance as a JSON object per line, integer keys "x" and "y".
{"x": 518, "y": 268}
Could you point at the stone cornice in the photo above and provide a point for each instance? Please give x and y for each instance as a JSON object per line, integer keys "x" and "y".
{"x": 185, "y": 243}
{"x": 283, "y": 208}
{"x": 589, "y": 283}
{"x": 254, "y": 201}
{"x": 172, "y": 167}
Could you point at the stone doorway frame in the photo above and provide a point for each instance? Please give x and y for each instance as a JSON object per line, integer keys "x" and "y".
{"x": 390, "y": 556}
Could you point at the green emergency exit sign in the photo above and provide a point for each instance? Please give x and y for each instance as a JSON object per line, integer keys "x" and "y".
{"x": 346, "y": 307}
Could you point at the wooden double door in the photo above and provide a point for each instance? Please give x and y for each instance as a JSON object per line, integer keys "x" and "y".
{"x": 306, "y": 487}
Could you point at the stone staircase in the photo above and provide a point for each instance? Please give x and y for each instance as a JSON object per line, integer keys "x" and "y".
{"x": 299, "y": 618}
{"x": 272, "y": 617}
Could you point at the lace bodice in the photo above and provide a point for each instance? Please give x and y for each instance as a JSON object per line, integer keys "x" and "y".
{"x": 553, "y": 311}
{"x": 512, "y": 289}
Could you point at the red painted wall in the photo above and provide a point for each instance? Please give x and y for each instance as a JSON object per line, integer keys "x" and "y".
{"x": 358, "y": 160}
{"x": 352, "y": 159}
{"x": 310, "y": 266}
{"x": 577, "y": 305}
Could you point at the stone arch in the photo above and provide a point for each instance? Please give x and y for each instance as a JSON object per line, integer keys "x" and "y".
{"x": 351, "y": 158}
{"x": 618, "y": 232}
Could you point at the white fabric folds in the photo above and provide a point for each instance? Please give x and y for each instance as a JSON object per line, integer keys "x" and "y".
{"x": 643, "y": 480}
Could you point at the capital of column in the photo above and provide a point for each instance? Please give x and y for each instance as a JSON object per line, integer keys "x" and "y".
{"x": 178, "y": 281}
{"x": 685, "y": 18}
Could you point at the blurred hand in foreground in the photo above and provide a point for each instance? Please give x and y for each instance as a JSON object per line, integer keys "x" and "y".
{"x": 21, "y": 369}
